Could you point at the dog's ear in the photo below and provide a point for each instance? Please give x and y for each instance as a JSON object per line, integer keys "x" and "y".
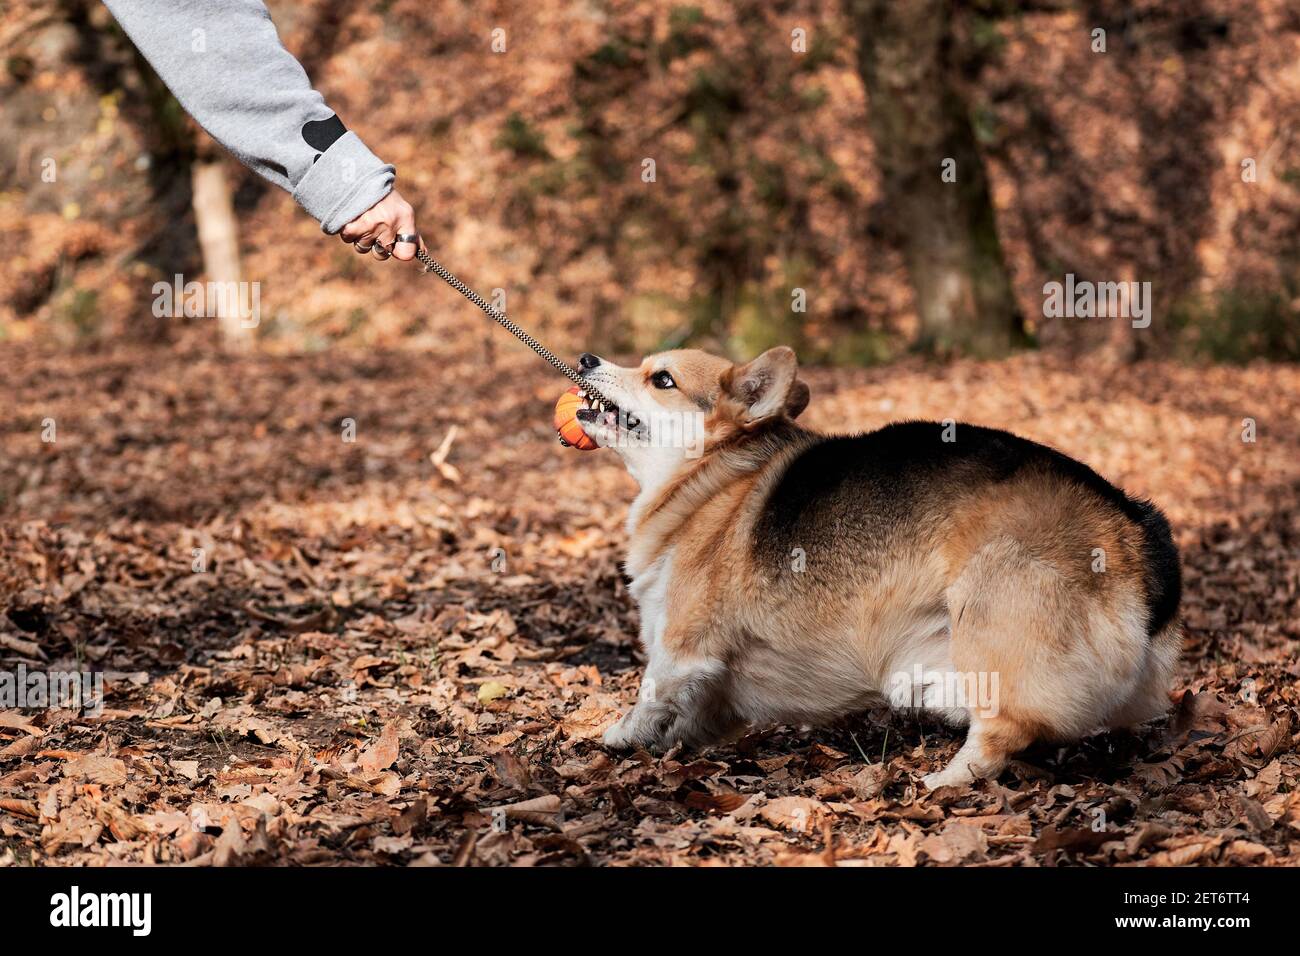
{"x": 766, "y": 387}
{"x": 798, "y": 399}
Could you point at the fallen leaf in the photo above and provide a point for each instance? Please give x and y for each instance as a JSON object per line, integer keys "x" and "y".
{"x": 799, "y": 814}
{"x": 381, "y": 753}
{"x": 108, "y": 771}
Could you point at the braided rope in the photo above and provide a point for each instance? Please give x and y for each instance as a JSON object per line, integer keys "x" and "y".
{"x": 432, "y": 265}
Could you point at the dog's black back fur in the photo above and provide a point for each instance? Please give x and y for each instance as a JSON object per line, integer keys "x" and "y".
{"x": 861, "y": 484}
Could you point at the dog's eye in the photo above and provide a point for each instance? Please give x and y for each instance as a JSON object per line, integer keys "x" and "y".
{"x": 662, "y": 379}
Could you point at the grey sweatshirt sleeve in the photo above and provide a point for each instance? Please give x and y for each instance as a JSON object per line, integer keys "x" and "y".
{"x": 224, "y": 62}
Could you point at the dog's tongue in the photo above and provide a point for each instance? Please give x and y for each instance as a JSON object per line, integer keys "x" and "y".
{"x": 566, "y": 421}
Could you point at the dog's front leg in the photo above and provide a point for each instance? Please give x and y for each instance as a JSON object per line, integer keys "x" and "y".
{"x": 644, "y": 723}
{"x": 679, "y": 702}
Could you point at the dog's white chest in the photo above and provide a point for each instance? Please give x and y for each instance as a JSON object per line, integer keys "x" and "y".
{"x": 650, "y": 591}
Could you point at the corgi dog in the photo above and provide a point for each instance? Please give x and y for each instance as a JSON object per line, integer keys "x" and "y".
{"x": 789, "y": 577}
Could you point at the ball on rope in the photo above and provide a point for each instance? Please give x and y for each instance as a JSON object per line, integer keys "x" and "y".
{"x": 566, "y": 421}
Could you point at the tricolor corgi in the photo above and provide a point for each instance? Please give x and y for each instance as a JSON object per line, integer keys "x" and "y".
{"x": 786, "y": 576}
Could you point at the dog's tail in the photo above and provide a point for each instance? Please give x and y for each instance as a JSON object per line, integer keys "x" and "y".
{"x": 1162, "y": 577}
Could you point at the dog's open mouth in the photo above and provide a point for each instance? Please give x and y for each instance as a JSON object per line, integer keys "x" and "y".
{"x": 609, "y": 415}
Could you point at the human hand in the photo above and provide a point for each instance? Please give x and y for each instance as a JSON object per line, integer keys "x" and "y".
{"x": 376, "y": 230}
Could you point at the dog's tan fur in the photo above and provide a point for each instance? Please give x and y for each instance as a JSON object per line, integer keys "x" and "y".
{"x": 966, "y": 574}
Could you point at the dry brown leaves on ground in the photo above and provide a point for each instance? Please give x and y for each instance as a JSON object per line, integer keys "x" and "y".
{"x": 387, "y": 658}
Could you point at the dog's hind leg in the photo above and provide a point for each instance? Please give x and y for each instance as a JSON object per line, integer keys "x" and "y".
{"x": 1056, "y": 652}
{"x": 1151, "y": 697}
{"x": 990, "y": 742}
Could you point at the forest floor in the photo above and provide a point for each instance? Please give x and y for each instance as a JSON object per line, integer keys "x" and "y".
{"x": 321, "y": 651}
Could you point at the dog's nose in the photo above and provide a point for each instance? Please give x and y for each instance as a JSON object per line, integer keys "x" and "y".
{"x": 587, "y": 360}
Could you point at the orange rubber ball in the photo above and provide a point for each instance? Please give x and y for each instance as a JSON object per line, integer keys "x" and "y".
{"x": 566, "y": 421}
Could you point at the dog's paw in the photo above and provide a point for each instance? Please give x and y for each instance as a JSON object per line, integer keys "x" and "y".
{"x": 617, "y": 736}
{"x": 953, "y": 775}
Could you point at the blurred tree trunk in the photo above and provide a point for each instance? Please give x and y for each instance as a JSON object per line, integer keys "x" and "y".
{"x": 948, "y": 230}
{"x": 218, "y": 229}
{"x": 113, "y": 66}
{"x": 187, "y": 170}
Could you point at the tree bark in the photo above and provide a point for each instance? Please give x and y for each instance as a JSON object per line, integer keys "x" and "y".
{"x": 948, "y": 230}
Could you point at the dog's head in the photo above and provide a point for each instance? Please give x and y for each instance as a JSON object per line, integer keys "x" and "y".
{"x": 678, "y": 406}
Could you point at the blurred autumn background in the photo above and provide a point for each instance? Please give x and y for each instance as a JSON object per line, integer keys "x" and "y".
{"x": 771, "y": 173}
{"x": 389, "y": 638}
